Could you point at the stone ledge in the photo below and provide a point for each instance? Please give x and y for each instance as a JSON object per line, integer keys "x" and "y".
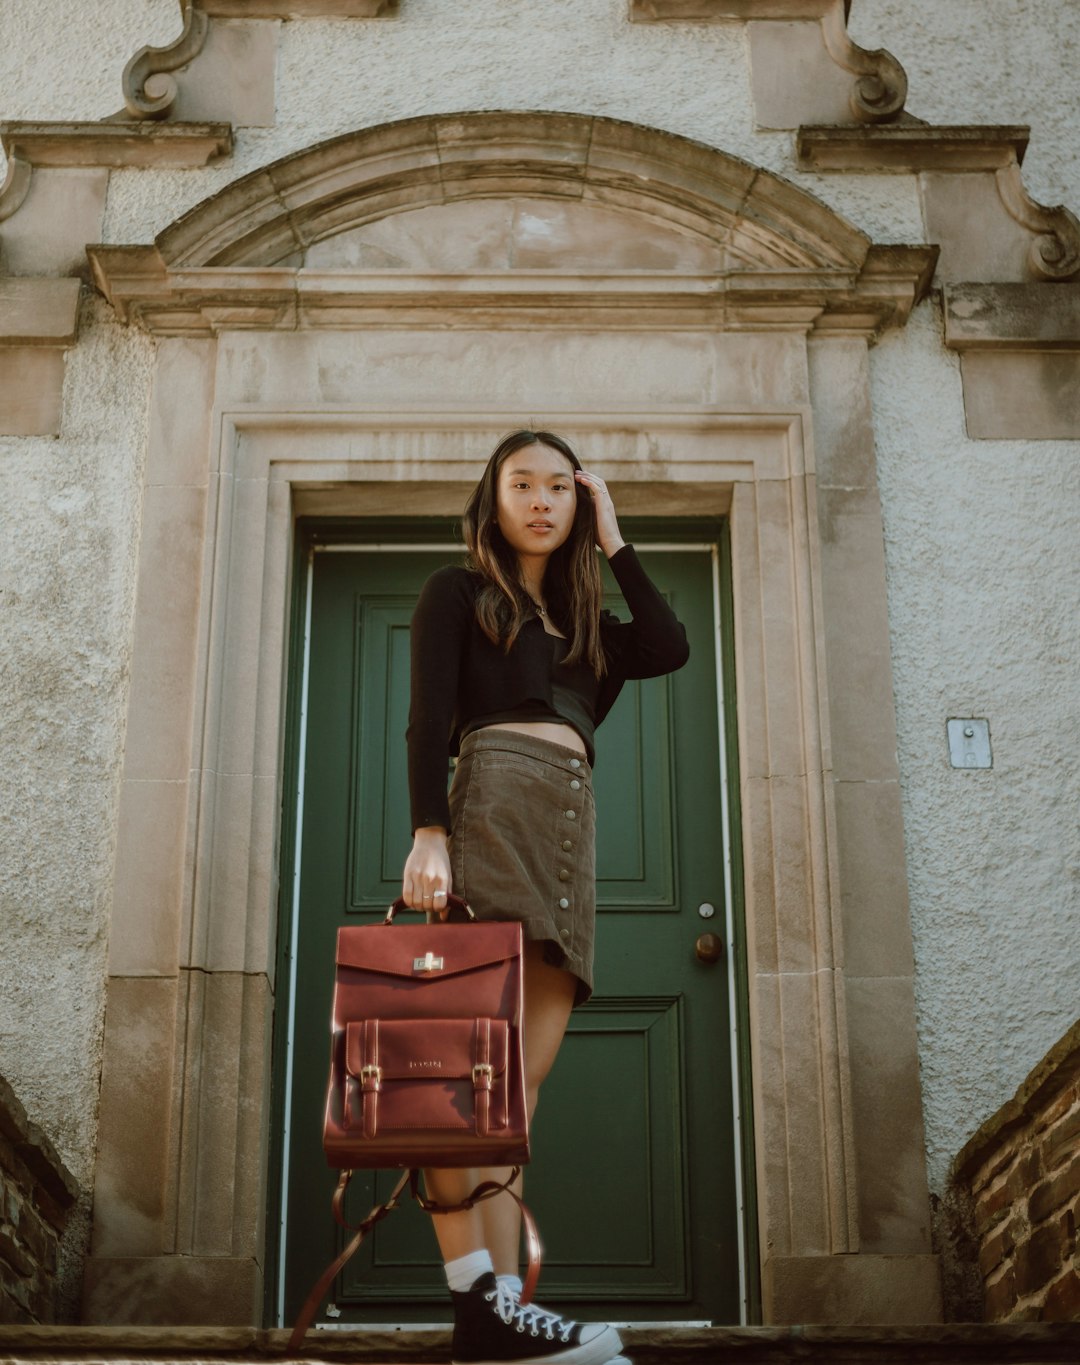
{"x": 1019, "y": 348}
{"x": 1013, "y": 317}
{"x": 1059, "y": 1069}
{"x": 131, "y": 143}
{"x": 727, "y": 11}
{"x": 911, "y": 147}
{"x": 38, "y": 312}
{"x": 206, "y": 301}
{"x": 298, "y": 9}
{"x": 959, "y": 1344}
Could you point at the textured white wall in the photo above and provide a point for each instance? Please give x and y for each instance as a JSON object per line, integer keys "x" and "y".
{"x": 983, "y": 579}
{"x": 70, "y": 514}
{"x": 980, "y": 536}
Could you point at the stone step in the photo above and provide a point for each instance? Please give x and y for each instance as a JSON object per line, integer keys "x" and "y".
{"x": 956, "y": 1344}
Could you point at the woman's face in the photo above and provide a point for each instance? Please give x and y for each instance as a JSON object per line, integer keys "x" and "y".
{"x": 536, "y": 500}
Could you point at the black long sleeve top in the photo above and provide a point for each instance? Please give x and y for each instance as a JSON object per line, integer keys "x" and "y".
{"x": 458, "y": 674}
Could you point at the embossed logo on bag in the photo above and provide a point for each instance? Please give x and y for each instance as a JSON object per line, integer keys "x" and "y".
{"x": 424, "y": 1066}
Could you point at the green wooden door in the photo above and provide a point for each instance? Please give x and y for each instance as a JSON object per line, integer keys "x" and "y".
{"x": 634, "y": 1179}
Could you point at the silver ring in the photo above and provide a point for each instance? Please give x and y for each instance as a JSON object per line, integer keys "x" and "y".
{"x": 439, "y": 893}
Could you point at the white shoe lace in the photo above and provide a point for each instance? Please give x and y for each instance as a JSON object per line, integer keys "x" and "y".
{"x": 536, "y": 1321}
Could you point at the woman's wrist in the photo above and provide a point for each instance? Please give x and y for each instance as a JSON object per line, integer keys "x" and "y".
{"x": 612, "y": 547}
{"x": 430, "y": 834}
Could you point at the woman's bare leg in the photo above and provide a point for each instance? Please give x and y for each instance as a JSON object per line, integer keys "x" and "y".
{"x": 496, "y": 1223}
{"x": 549, "y": 998}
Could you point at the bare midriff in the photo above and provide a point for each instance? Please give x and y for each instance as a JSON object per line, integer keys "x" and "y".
{"x": 551, "y": 730}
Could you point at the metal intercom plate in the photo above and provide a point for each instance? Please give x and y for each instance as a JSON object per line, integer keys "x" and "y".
{"x": 969, "y": 743}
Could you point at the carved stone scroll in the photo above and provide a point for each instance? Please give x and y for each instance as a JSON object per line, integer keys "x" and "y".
{"x": 975, "y": 204}
{"x": 880, "y": 88}
{"x": 149, "y": 90}
{"x": 805, "y": 54}
{"x": 16, "y": 185}
{"x": 1054, "y": 253}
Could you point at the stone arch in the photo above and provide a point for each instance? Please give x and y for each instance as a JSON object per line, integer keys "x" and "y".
{"x": 758, "y": 219}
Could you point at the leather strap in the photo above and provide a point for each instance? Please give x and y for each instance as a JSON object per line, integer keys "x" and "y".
{"x": 326, "y": 1279}
{"x": 482, "y": 1078}
{"x": 486, "y": 1190}
{"x": 370, "y": 1075}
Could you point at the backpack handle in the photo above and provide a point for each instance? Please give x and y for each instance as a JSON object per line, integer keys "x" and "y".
{"x": 453, "y": 904}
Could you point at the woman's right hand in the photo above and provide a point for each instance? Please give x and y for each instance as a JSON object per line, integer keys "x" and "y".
{"x": 426, "y": 882}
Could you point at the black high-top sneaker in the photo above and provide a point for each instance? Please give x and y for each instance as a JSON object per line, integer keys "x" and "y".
{"x": 559, "y": 1323}
{"x": 492, "y": 1328}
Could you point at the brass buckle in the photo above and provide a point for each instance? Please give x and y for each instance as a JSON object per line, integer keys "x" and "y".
{"x": 483, "y": 1070}
{"x": 371, "y": 1072}
{"x": 428, "y": 963}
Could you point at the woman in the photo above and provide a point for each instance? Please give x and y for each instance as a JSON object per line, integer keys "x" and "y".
{"x": 514, "y": 664}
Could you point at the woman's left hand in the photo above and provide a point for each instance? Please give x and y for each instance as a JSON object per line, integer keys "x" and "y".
{"x": 607, "y": 525}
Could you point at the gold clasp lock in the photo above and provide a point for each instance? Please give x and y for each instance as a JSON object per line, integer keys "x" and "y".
{"x": 428, "y": 963}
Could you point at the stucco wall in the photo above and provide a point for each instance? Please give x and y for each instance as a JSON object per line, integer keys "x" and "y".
{"x": 980, "y": 536}
{"x": 70, "y": 510}
{"x": 983, "y": 583}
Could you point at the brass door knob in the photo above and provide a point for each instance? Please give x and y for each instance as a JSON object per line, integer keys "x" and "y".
{"x": 709, "y": 948}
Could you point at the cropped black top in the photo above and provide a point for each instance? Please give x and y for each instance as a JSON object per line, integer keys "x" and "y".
{"x": 459, "y": 676}
{"x": 572, "y": 702}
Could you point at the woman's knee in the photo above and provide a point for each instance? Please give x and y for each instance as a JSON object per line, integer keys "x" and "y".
{"x": 448, "y": 1184}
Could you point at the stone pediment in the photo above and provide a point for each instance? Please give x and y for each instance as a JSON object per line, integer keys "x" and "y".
{"x": 368, "y": 175}
{"x": 593, "y": 218}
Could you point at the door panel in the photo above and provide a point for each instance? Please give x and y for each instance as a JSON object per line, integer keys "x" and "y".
{"x": 635, "y": 856}
{"x": 379, "y": 790}
{"x": 633, "y": 1177}
{"x": 619, "y": 1070}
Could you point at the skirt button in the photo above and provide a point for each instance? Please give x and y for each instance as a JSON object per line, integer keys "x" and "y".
{"x": 564, "y": 876}
{"x": 575, "y": 763}
{"x": 575, "y": 785}
{"x": 567, "y": 845}
{"x": 564, "y": 904}
{"x": 570, "y": 814}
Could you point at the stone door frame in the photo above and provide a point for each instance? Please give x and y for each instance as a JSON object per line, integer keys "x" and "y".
{"x": 180, "y": 1190}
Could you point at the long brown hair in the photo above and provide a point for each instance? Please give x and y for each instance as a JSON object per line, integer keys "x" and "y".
{"x": 572, "y": 579}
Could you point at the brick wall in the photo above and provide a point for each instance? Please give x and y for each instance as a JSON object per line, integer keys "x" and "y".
{"x": 1021, "y": 1176}
{"x": 36, "y": 1195}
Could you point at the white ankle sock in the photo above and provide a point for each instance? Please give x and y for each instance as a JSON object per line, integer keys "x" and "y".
{"x": 512, "y": 1282}
{"x": 463, "y": 1273}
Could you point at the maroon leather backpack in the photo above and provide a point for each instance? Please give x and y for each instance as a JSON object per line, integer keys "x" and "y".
{"x": 426, "y": 1061}
{"x": 426, "y": 1066}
